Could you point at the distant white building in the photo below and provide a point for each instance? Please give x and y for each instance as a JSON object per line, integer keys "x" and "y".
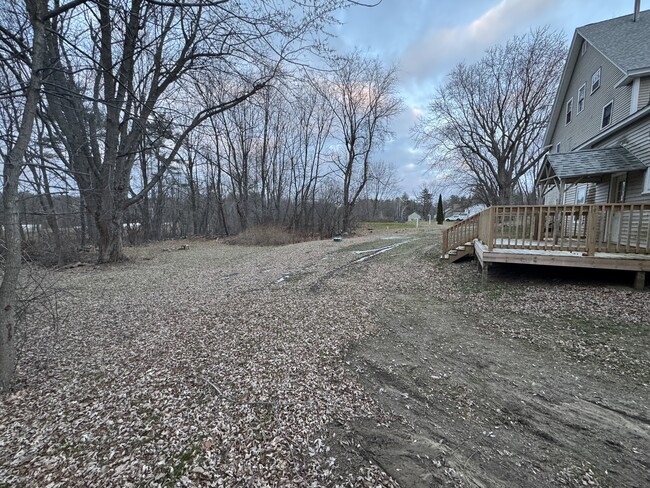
{"x": 414, "y": 216}
{"x": 474, "y": 209}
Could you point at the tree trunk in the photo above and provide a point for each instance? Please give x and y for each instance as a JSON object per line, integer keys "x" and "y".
{"x": 110, "y": 237}
{"x": 109, "y": 220}
{"x": 11, "y": 174}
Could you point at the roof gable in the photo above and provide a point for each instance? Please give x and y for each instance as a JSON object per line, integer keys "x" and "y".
{"x": 623, "y": 42}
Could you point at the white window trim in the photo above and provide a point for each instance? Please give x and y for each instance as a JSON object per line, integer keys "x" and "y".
{"x": 600, "y": 75}
{"x": 581, "y": 190}
{"x": 584, "y": 98}
{"x": 566, "y": 111}
{"x": 583, "y": 48}
{"x": 646, "y": 182}
{"x": 611, "y": 115}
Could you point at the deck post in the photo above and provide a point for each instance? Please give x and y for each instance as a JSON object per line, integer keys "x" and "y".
{"x": 490, "y": 236}
{"x": 591, "y": 231}
{"x": 639, "y": 280}
{"x": 485, "y": 267}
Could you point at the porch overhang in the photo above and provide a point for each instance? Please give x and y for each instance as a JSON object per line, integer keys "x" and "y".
{"x": 586, "y": 166}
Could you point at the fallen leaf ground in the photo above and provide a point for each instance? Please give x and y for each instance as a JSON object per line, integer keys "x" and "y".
{"x": 222, "y": 365}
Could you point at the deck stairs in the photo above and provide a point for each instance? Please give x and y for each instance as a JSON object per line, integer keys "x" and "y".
{"x": 453, "y": 255}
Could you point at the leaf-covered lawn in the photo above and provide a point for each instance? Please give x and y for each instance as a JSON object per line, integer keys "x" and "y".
{"x": 226, "y": 366}
{"x": 197, "y": 367}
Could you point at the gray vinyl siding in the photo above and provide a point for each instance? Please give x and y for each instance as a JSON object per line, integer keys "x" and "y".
{"x": 602, "y": 191}
{"x": 586, "y": 124}
{"x": 644, "y": 92}
{"x": 634, "y": 188}
{"x": 635, "y": 139}
{"x": 570, "y": 195}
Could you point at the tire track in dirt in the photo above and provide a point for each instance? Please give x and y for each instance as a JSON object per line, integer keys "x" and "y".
{"x": 473, "y": 410}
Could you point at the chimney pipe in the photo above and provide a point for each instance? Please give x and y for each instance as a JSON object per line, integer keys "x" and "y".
{"x": 637, "y": 10}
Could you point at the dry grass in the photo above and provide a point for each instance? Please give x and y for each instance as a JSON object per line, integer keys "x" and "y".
{"x": 268, "y": 235}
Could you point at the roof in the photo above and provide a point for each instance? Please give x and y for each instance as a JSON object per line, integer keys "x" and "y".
{"x": 621, "y": 40}
{"x": 594, "y": 162}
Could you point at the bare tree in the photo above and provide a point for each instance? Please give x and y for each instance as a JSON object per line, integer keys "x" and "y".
{"x": 131, "y": 63}
{"x": 362, "y": 95}
{"x": 382, "y": 185}
{"x": 486, "y": 124}
{"x": 23, "y": 72}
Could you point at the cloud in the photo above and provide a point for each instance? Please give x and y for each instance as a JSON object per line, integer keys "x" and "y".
{"x": 441, "y": 48}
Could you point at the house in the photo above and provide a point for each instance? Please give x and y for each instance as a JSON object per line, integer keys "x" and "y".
{"x": 414, "y": 217}
{"x": 595, "y": 179}
{"x": 599, "y": 130}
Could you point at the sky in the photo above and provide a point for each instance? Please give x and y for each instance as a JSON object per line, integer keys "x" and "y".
{"x": 425, "y": 39}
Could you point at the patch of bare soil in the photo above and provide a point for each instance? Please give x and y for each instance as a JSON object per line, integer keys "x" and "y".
{"x": 518, "y": 383}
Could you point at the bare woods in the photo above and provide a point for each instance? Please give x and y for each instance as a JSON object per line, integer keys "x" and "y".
{"x": 143, "y": 119}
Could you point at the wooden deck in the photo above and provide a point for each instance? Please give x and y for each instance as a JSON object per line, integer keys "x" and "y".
{"x": 605, "y": 236}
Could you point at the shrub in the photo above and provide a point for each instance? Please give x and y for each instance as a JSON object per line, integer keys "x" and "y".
{"x": 267, "y": 235}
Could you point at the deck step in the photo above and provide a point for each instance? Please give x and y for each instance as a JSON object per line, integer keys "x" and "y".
{"x": 453, "y": 255}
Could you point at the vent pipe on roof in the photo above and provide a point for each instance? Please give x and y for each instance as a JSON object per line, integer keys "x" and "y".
{"x": 637, "y": 10}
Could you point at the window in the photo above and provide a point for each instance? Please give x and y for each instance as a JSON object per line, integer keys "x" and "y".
{"x": 583, "y": 48}
{"x": 569, "y": 110}
{"x": 557, "y": 147}
{"x": 646, "y": 181}
{"x": 581, "y": 195}
{"x": 607, "y": 115}
{"x": 595, "y": 80}
{"x": 581, "y": 97}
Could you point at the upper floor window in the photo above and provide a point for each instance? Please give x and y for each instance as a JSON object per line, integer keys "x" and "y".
{"x": 607, "y": 115}
{"x": 583, "y": 48}
{"x": 595, "y": 80}
{"x": 581, "y": 97}
{"x": 557, "y": 147}
{"x": 569, "y": 110}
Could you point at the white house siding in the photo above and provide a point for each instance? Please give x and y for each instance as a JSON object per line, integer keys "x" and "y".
{"x": 586, "y": 124}
{"x": 644, "y": 92}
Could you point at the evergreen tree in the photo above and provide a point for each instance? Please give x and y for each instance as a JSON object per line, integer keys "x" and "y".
{"x": 440, "y": 214}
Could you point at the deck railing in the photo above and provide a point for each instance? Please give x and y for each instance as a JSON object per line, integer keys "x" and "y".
{"x": 587, "y": 229}
{"x": 462, "y": 232}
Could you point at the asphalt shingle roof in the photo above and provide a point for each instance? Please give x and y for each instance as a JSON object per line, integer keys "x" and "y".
{"x": 626, "y": 43}
{"x": 594, "y": 162}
